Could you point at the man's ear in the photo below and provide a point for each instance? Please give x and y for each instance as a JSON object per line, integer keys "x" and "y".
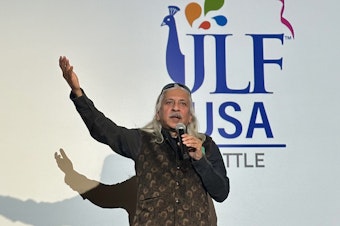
{"x": 190, "y": 118}
{"x": 157, "y": 116}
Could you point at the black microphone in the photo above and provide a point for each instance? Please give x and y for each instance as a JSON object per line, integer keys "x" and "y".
{"x": 181, "y": 129}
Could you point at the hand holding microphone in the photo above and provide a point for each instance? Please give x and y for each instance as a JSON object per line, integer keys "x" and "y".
{"x": 189, "y": 145}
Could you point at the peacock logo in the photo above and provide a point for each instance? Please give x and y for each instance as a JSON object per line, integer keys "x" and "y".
{"x": 175, "y": 59}
{"x": 197, "y": 17}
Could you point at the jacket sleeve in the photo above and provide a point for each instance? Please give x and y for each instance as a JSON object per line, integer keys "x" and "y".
{"x": 213, "y": 172}
{"x": 121, "y": 140}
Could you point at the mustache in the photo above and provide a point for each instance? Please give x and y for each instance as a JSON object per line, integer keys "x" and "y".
{"x": 175, "y": 115}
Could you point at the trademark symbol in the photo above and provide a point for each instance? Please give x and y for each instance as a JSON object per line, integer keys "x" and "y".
{"x": 288, "y": 37}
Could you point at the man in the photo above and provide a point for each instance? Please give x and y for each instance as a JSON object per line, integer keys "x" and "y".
{"x": 171, "y": 189}
{"x": 122, "y": 195}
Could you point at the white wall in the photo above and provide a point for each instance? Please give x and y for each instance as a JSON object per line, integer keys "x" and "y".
{"x": 117, "y": 48}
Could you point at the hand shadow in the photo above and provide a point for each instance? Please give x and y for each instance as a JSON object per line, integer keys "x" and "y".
{"x": 73, "y": 211}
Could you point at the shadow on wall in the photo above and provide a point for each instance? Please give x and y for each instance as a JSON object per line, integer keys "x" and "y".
{"x": 72, "y": 212}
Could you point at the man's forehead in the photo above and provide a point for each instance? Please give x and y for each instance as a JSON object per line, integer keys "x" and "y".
{"x": 176, "y": 96}
{"x": 176, "y": 93}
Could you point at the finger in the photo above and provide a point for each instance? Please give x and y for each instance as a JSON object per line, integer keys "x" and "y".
{"x": 185, "y": 137}
{"x": 61, "y": 61}
{"x": 63, "y": 154}
{"x": 67, "y": 71}
{"x": 57, "y": 156}
{"x": 70, "y": 70}
{"x": 64, "y": 63}
{"x": 189, "y": 140}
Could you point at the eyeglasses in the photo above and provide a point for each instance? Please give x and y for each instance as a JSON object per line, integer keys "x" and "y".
{"x": 172, "y": 85}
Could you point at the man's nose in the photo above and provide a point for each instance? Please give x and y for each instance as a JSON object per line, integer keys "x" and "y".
{"x": 175, "y": 106}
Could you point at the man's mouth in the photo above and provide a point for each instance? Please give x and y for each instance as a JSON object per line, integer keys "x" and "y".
{"x": 175, "y": 115}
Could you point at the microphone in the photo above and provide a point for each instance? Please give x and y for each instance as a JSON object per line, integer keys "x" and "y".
{"x": 181, "y": 129}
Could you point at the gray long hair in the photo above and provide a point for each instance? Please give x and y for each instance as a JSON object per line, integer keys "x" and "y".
{"x": 154, "y": 127}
